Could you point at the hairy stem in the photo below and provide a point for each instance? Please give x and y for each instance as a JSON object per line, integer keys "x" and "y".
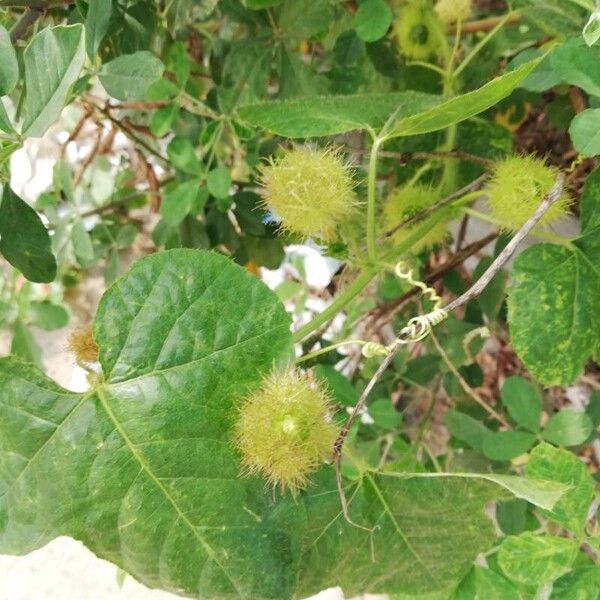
{"x": 372, "y": 202}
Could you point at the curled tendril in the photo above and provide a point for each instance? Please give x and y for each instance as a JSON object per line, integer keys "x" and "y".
{"x": 418, "y": 328}
{"x": 373, "y": 349}
{"x": 406, "y": 273}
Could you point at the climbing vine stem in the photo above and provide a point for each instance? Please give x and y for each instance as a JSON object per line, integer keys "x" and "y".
{"x": 411, "y": 334}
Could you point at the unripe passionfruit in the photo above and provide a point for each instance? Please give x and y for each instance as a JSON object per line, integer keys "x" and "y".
{"x": 416, "y": 30}
{"x": 403, "y": 203}
{"x": 82, "y": 345}
{"x": 284, "y": 430}
{"x": 310, "y": 190}
{"x": 518, "y": 186}
{"x": 451, "y": 11}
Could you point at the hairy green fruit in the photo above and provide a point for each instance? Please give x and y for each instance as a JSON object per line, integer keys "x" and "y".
{"x": 310, "y": 190}
{"x": 284, "y": 430}
{"x": 518, "y": 186}
{"x": 417, "y": 30}
{"x": 450, "y": 11}
{"x": 403, "y": 203}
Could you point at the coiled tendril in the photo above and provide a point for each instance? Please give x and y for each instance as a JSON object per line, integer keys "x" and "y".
{"x": 418, "y": 328}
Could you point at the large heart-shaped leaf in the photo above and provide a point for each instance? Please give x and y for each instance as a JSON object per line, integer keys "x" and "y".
{"x": 53, "y": 60}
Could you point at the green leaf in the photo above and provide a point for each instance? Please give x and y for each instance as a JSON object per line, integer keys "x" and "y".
{"x": 413, "y": 112}
{"x": 342, "y": 390}
{"x": 348, "y": 49}
{"x": 372, "y": 20}
{"x": 534, "y": 560}
{"x": 580, "y": 584}
{"x": 245, "y": 74}
{"x": 162, "y": 120}
{"x": 593, "y": 408}
{"x": 177, "y": 202}
{"x": 24, "y": 241}
{"x": 543, "y": 77}
{"x": 485, "y": 584}
{"x": 577, "y": 64}
{"x": 551, "y": 306}
{"x": 260, "y": 4}
{"x": 523, "y": 402}
{"x": 53, "y": 60}
{"x": 5, "y": 124}
{"x": 129, "y": 77}
{"x": 328, "y": 115}
{"x": 97, "y": 21}
{"x": 590, "y": 202}
{"x": 218, "y": 182}
{"x": 463, "y": 107}
{"x": 558, "y": 465}
{"x": 506, "y": 445}
{"x": 512, "y": 516}
{"x": 406, "y": 544}
{"x": 9, "y": 66}
{"x": 466, "y": 429}
{"x": 82, "y": 244}
{"x": 24, "y": 345}
{"x": 568, "y": 428}
{"x": 585, "y": 132}
{"x": 384, "y": 414}
{"x": 47, "y": 315}
{"x": 141, "y": 468}
{"x": 302, "y": 19}
{"x": 591, "y": 31}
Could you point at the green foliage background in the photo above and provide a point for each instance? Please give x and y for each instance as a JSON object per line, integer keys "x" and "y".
{"x": 452, "y": 493}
